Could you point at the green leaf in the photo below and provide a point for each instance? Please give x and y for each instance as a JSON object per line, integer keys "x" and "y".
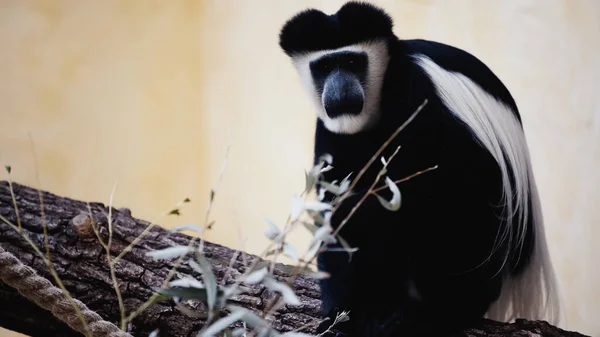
{"x": 170, "y": 252}
{"x": 8, "y": 168}
{"x": 209, "y": 279}
{"x": 175, "y": 212}
{"x": 186, "y": 200}
{"x": 160, "y": 298}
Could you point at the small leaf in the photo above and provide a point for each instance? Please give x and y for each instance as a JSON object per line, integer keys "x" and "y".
{"x": 291, "y": 252}
{"x": 209, "y": 280}
{"x": 175, "y": 212}
{"x": 260, "y": 265}
{"x": 316, "y": 205}
{"x": 272, "y": 232}
{"x": 286, "y": 292}
{"x": 311, "y": 227}
{"x": 248, "y": 316}
{"x": 326, "y": 169}
{"x": 256, "y": 276}
{"x": 345, "y": 184}
{"x": 394, "y": 203}
{"x": 195, "y": 266}
{"x": 212, "y": 195}
{"x": 326, "y": 158}
{"x": 333, "y": 188}
{"x": 191, "y": 227}
{"x": 310, "y": 182}
{"x": 187, "y": 200}
{"x": 297, "y": 207}
{"x": 210, "y": 224}
{"x": 347, "y": 247}
{"x": 229, "y": 292}
{"x": 322, "y": 192}
{"x": 187, "y": 282}
{"x": 324, "y": 234}
{"x": 8, "y": 168}
{"x": 221, "y": 324}
{"x": 314, "y": 249}
{"x": 170, "y": 252}
{"x": 334, "y": 249}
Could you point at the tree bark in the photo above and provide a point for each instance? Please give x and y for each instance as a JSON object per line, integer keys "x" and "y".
{"x": 80, "y": 261}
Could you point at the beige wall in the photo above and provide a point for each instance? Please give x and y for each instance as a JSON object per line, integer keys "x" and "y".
{"x": 143, "y": 93}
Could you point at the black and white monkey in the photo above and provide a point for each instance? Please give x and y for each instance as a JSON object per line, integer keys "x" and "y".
{"x": 468, "y": 241}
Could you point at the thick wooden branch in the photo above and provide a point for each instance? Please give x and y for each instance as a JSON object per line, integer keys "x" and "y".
{"x": 80, "y": 261}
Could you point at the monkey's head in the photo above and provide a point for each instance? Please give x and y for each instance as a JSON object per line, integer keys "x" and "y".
{"x": 341, "y": 59}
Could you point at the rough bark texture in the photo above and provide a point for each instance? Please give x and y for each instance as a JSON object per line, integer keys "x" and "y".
{"x": 81, "y": 263}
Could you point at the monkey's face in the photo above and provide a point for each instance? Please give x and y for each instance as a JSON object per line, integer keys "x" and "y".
{"x": 345, "y": 84}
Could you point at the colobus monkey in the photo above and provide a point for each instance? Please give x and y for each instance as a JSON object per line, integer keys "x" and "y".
{"x": 468, "y": 241}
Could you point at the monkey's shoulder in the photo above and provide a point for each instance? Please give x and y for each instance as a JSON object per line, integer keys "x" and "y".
{"x": 461, "y": 61}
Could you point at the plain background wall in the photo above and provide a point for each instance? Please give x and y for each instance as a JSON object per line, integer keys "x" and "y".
{"x": 143, "y": 93}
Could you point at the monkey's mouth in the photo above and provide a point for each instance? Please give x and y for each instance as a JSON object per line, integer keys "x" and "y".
{"x": 347, "y": 107}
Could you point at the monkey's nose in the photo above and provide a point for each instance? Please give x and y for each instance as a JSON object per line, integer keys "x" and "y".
{"x": 342, "y": 95}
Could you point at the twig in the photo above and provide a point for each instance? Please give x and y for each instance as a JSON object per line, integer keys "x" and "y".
{"x": 46, "y": 258}
{"x": 378, "y": 153}
{"x": 406, "y": 178}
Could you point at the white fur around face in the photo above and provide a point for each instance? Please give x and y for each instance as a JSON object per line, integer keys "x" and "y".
{"x": 378, "y": 57}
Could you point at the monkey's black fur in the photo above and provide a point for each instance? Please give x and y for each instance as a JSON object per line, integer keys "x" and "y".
{"x": 439, "y": 242}
{"x": 313, "y": 30}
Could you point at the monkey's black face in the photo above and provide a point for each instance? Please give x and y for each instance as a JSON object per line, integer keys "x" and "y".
{"x": 340, "y": 78}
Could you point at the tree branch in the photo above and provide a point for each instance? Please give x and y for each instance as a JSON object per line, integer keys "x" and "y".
{"x": 80, "y": 261}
